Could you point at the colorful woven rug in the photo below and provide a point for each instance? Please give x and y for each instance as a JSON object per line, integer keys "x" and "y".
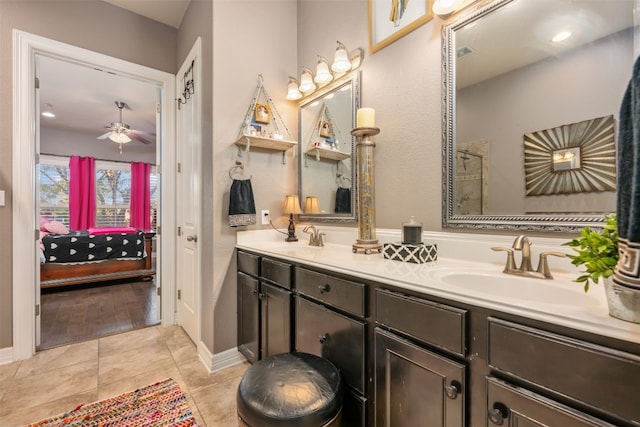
{"x": 162, "y": 404}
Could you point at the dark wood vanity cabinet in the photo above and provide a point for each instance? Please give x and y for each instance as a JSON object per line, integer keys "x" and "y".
{"x": 412, "y": 359}
{"x": 264, "y": 306}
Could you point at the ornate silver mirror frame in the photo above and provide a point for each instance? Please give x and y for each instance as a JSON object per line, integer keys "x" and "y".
{"x": 452, "y": 216}
{"x": 326, "y": 119}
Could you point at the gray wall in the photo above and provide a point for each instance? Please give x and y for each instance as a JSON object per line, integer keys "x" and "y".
{"x": 87, "y": 24}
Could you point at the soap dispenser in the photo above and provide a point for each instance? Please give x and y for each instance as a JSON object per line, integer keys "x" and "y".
{"x": 412, "y": 232}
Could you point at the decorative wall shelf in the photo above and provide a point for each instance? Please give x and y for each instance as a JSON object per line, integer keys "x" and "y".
{"x": 249, "y": 141}
{"x": 260, "y": 123}
{"x": 325, "y": 153}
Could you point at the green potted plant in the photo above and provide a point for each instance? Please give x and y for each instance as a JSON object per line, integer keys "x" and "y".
{"x": 597, "y": 251}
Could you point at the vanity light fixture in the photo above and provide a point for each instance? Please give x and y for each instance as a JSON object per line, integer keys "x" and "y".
{"x": 341, "y": 60}
{"x": 323, "y": 75}
{"x": 48, "y": 111}
{"x": 444, "y": 8}
{"x": 306, "y": 81}
{"x": 293, "y": 92}
{"x": 291, "y": 207}
{"x": 344, "y": 61}
{"x": 561, "y": 36}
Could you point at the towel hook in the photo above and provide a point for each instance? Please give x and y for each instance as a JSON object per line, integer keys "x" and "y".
{"x": 238, "y": 165}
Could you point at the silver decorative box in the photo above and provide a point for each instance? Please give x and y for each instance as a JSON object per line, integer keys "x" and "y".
{"x": 407, "y": 252}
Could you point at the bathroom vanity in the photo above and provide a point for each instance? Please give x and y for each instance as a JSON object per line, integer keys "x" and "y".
{"x": 417, "y": 349}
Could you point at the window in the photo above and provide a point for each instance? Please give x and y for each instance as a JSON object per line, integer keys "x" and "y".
{"x": 113, "y": 187}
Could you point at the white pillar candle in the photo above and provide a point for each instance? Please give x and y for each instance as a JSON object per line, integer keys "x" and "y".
{"x": 366, "y": 118}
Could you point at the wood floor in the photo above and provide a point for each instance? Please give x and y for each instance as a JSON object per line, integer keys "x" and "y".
{"x": 80, "y": 313}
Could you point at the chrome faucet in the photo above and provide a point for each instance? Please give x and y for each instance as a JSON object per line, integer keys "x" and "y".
{"x": 523, "y": 244}
{"x": 315, "y": 236}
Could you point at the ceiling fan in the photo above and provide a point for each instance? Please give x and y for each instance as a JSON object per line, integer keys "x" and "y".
{"x": 122, "y": 133}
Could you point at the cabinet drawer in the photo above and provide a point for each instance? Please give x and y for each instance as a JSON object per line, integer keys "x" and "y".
{"x": 339, "y": 293}
{"x": 276, "y": 272}
{"x": 521, "y": 407}
{"x": 436, "y": 324}
{"x": 248, "y": 263}
{"x": 597, "y": 376}
{"x": 328, "y": 334}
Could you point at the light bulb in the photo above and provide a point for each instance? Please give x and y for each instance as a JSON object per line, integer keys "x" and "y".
{"x": 306, "y": 81}
{"x": 120, "y": 138}
{"x": 293, "y": 92}
{"x": 341, "y": 62}
{"x": 323, "y": 75}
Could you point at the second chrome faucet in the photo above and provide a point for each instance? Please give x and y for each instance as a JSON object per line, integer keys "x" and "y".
{"x": 523, "y": 245}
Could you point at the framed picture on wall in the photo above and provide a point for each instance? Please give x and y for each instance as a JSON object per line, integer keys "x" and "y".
{"x": 261, "y": 113}
{"x": 325, "y": 129}
{"x": 391, "y": 19}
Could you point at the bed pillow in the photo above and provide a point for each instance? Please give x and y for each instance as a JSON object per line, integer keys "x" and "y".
{"x": 56, "y": 227}
{"x": 44, "y": 221}
{"x": 111, "y": 230}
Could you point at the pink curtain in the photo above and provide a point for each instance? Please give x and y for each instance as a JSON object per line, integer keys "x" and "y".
{"x": 140, "y": 199}
{"x": 82, "y": 193}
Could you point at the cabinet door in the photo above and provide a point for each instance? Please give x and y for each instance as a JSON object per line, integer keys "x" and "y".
{"x": 511, "y": 406}
{"x": 331, "y": 335}
{"x": 415, "y": 387}
{"x": 276, "y": 320}
{"x": 248, "y": 317}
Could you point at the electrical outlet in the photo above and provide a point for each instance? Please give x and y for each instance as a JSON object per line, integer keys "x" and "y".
{"x": 265, "y": 216}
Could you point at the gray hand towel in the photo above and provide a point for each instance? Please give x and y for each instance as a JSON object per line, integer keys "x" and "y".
{"x": 242, "y": 208}
{"x": 627, "y": 272}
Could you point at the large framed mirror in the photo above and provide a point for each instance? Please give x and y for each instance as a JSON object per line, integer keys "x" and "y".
{"x": 327, "y": 158}
{"x": 530, "y": 124}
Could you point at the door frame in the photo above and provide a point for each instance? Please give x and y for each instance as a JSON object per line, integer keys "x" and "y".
{"x": 24, "y": 240}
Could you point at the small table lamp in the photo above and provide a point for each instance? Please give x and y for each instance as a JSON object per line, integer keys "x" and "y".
{"x": 312, "y": 205}
{"x": 291, "y": 207}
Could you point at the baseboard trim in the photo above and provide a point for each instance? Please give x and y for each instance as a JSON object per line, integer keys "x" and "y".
{"x": 219, "y": 361}
{"x": 6, "y": 355}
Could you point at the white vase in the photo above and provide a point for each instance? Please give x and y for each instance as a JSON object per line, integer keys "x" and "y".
{"x": 624, "y": 303}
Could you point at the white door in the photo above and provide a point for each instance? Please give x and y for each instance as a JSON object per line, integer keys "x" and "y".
{"x": 189, "y": 192}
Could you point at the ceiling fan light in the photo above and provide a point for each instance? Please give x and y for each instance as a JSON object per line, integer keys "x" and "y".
{"x": 120, "y": 138}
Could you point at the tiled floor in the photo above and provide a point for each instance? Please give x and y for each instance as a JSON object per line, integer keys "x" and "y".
{"x": 59, "y": 379}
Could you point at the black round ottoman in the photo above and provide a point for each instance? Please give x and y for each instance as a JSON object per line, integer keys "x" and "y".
{"x": 290, "y": 389}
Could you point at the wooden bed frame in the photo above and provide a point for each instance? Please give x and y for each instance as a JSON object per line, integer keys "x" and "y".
{"x": 52, "y": 275}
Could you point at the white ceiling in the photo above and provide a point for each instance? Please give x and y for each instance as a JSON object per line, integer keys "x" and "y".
{"x": 520, "y": 33}
{"x": 83, "y": 98}
{"x": 168, "y": 12}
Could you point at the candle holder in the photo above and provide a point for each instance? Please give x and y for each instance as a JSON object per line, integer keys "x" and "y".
{"x": 365, "y": 179}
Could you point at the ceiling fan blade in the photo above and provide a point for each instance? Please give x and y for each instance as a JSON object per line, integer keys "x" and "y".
{"x": 133, "y": 135}
{"x": 142, "y": 132}
{"x": 104, "y": 135}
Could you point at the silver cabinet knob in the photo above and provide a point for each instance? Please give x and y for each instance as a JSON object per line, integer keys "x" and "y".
{"x": 193, "y": 238}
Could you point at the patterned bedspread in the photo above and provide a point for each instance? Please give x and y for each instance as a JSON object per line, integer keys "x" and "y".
{"x": 80, "y": 246}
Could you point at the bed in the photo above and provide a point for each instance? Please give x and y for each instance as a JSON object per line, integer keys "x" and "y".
{"x": 95, "y": 255}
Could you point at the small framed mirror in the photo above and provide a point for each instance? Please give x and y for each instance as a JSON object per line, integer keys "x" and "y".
{"x": 327, "y": 157}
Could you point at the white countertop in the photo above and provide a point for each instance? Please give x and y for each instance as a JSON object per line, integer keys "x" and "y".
{"x": 467, "y": 270}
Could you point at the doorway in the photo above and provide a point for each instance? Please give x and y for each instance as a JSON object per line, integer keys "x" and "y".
{"x": 88, "y": 111}
{"x": 25, "y": 159}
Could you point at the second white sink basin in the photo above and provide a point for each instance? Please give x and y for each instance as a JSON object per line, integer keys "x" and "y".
{"x": 516, "y": 288}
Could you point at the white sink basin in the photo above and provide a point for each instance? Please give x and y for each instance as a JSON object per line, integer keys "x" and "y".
{"x": 487, "y": 285}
